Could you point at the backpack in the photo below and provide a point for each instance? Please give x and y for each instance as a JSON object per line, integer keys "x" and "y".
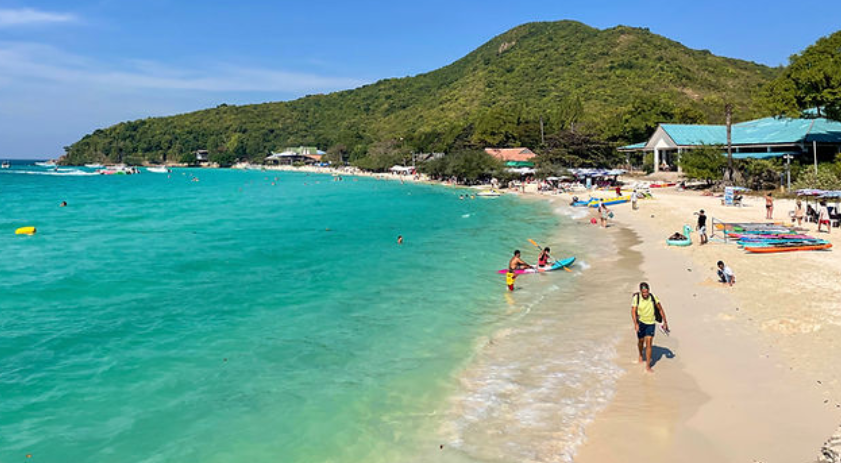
{"x": 658, "y": 317}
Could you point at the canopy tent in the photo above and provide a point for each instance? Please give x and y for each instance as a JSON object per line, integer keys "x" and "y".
{"x": 519, "y": 164}
{"x": 401, "y": 169}
{"x": 521, "y": 170}
{"x": 591, "y": 172}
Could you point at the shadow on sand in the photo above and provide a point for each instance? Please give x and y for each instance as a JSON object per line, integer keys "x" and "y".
{"x": 658, "y": 353}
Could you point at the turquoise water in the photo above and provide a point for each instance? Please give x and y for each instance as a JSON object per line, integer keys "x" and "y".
{"x": 155, "y": 319}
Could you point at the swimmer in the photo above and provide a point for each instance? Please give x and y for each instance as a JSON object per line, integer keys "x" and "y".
{"x": 399, "y": 239}
{"x": 63, "y": 204}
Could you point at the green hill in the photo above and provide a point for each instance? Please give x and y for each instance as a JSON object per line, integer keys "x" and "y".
{"x": 618, "y": 83}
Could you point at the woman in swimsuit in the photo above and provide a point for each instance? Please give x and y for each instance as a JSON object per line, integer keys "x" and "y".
{"x": 543, "y": 259}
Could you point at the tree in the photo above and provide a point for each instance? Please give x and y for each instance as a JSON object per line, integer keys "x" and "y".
{"x": 577, "y": 149}
{"x": 224, "y": 158}
{"x": 705, "y": 163}
{"x": 812, "y": 80}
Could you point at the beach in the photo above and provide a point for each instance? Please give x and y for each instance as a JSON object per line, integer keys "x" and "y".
{"x": 748, "y": 373}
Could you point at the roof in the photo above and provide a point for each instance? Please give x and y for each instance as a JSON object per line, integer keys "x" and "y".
{"x": 766, "y": 155}
{"x": 511, "y": 154}
{"x": 635, "y": 146}
{"x": 765, "y": 131}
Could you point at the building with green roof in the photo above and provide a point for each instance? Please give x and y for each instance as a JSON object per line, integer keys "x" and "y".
{"x": 770, "y": 137}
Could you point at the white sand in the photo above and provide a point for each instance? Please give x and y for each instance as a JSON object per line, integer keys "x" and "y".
{"x": 754, "y": 374}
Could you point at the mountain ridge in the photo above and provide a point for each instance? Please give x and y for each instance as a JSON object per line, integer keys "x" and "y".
{"x": 617, "y": 82}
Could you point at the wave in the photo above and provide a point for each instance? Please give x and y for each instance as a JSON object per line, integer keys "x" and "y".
{"x": 59, "y": 173}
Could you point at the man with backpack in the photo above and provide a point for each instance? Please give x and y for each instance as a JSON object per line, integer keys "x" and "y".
{"x": 646, "y": 311}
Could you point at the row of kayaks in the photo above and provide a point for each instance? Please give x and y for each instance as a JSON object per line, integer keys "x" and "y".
{"x": 594, "y": 202}
{"x": 775, "y": 238}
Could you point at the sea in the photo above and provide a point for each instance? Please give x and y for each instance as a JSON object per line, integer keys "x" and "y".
{"x": 255, "y": 316}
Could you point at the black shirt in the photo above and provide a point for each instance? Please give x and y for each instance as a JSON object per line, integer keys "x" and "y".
{"x": 702, "y": 220}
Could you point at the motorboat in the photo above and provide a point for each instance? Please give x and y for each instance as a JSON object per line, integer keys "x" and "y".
{"x": 158, "y": 170}
{"x": 94, "y": 166}
{"x": 119, "y": 170}
{"x": 5, "y": 165}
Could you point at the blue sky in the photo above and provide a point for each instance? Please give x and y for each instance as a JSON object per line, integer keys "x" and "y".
{"x": 68, "y": 68}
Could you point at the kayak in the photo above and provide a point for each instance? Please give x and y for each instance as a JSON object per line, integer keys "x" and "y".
{"x": 769, "y": 236}
{"x": 594, "y": 202}
{"x": 783, "y": 244}
{"x": 563, "y": 263}
{"x": 787, "y": 248}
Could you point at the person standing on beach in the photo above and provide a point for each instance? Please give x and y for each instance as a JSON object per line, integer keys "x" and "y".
{"x": 634, "y": 197}
{"x": 823, "y": 218}
{"x": 702, "y": 226}
{"x": 798, "y": 213}
{"x": 769, "y": 206}
{"x": 604, "y": 213}
{"x": 645, "y": 309}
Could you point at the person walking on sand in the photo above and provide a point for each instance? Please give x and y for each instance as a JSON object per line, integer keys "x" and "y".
{"x": 646, "y": 311}
{"x": 725, "y": 274}
{"x": 798, "y": 213}
{"x": 702, "y": 226}
{"x": 516, "y": 263}
{"x": 769, "y": 206}
{"x": 634, "y": 197}
{"x": 823, "y": 218}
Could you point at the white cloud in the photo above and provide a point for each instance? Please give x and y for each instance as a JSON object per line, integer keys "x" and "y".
{"x": 27, "y": 62}
{"x": 28, "y": 16}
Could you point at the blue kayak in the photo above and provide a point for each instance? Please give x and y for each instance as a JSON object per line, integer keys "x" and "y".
{"x": 559, "y": 264}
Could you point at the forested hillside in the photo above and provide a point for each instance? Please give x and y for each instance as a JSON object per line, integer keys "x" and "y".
{"x": 616, "y": 83}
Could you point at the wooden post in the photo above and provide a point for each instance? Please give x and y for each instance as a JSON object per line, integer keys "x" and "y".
{"x": 728, "y": 113}
{"x": 815, "y": 154}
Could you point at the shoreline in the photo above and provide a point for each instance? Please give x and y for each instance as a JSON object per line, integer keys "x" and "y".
{"x": 740, "y": 384}
{"x": 731, "y": 392}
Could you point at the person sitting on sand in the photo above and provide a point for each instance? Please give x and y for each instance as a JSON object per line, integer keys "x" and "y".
{"x": 725, "y": 274}
{"x": 643, "y": 305}
{"x": 544, "y": 258}
{"x": 702, "y": 226}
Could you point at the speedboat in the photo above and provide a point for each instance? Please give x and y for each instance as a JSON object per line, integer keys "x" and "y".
{"x": 94, "y": 166}
{"x": 118, "y": 170}
{"x": 489, "y": 193}
{"x": 46, "y": 163}
{"x": 158, "y": 170}
{"x": 5, "y": 165}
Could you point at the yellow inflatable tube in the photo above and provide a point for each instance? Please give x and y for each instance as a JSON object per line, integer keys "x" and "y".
{"x": 25, "y": 231}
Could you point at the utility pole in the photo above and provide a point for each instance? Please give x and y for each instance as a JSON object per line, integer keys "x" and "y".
{"x": 728, "y": 114}
{"x": 542, "y": 139}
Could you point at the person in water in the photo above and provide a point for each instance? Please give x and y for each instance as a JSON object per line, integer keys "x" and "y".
{"x": 516, "y": 263}
{"x": 399, "y": 239}
{"x": 544, "y": 258}
{"x": 63, "y": 204}
{"x": 643, "y": 305}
